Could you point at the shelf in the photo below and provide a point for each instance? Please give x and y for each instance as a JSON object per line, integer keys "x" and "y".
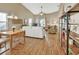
{"x": 75, "y": 37}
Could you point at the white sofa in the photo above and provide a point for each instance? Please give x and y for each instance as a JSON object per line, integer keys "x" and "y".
{"x": 33, "y": 31}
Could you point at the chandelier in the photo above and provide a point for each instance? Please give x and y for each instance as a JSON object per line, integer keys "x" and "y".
{"x": 41, "y": 13}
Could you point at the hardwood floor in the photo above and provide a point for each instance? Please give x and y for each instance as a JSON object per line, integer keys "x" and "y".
{"x": 35, "y": 46}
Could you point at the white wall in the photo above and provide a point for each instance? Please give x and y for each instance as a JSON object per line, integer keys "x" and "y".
{"x": 16, "y": 9}
{"x": 52, "y": 19}
{"x": 74, "y": 19}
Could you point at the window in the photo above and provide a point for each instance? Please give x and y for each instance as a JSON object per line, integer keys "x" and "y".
{"x": 3, "y": 21}
{"x": 30, "y": 21}
{"x": 42, "y": 22}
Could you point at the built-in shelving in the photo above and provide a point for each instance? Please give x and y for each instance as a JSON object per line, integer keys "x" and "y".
{"x": 71, "y": 49}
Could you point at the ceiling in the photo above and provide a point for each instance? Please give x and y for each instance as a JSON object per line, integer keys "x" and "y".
{"x": 47, "y": 8}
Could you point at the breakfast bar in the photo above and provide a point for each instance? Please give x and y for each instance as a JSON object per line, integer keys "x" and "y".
{"x": 12, "y": 34}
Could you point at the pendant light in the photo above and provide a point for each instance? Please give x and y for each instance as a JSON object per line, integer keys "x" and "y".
{"x": 41, "y": 13}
